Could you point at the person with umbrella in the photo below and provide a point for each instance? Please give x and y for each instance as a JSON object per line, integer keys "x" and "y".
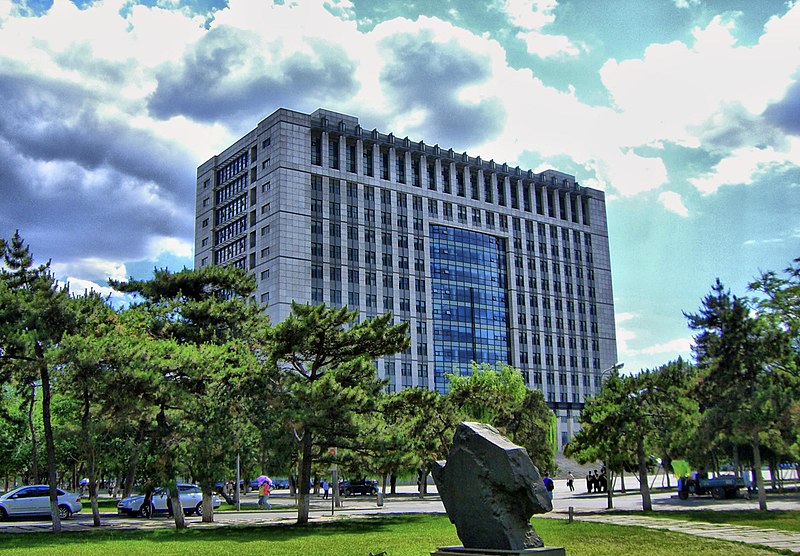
{"x": 264, "y": 485}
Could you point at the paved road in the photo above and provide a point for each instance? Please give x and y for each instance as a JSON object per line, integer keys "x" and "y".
{"x": 585, "y": 508}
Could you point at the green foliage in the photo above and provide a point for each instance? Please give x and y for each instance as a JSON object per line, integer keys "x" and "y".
{"x": 34, "y": 315}
{"x": 323, "y": 364}
{"x": 500, "y": 398}
{"x": 201, "y": 336}
{"x": 744, "y": 389}
{"x": 632, "y": 416}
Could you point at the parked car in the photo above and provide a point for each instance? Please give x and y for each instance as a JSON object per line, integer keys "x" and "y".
{"x": 280, "y": 483}
{"x": 191, "y": 501}
{"x": 360, "y": 486}
{"x": 34, "y": 500}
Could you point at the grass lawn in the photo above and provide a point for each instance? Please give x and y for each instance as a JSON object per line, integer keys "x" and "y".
{"x": 780, "y": 519}
{"x": 406, "y": 535}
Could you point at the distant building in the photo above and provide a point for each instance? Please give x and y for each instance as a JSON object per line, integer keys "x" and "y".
{"x": 488, "y": 263}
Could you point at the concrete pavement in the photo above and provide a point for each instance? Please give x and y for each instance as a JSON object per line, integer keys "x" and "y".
{"x": 586, "y": 507}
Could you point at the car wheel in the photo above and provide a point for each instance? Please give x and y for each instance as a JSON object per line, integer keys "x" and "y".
{"x": 198, "y": 510}
{"x": 146, "y": 511}
{"x": 718, "y": 493}
{"x": 64, "y": 512}
{"x": 3, "y": 514}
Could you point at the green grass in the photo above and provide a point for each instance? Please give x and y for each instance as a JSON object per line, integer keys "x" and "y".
{"x": 780, "y": 519}
{"x": 407, "y": 535}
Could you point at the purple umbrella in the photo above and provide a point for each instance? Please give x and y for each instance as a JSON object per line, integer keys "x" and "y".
{"x": 263, "y": 479}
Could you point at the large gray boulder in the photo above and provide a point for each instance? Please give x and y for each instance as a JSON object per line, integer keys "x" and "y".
{"x": 490, "y": 489}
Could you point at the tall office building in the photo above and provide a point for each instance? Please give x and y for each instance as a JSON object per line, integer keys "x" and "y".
{"x": 488, "y": 263}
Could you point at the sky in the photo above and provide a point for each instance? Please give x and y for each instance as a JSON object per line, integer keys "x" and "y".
{"x": 685, "y": 112}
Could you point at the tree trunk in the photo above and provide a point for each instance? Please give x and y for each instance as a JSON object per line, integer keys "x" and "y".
{"x": 130, "y": 476}
{"x": 177, "y": 509}
{"x": 762, "y": 493}
{"x": 34, "y": 443}
{"x": 647, "y": 505}
{"x": 622, "y": 478}
{"x": 423, "y": 481}
{"x": 393, "y": 483}
{"x": 208, "y": 506}
{"x": 304, "y": 479}
{"x": 49, "y": 443}
{"x": 88, "y": 440}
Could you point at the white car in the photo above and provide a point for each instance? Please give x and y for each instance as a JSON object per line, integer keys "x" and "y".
{"x": 35, "y": 500}
{"x": 190, "y": 495}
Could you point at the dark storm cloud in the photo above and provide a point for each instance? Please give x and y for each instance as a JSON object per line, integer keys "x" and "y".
{"x": 49, "y": 120}
{"x": 78, "y": 185}
{"x": 786, "y": 113}
{"x": 209, "y": 86}
{"x": 103, "y": 214}
{"x": 429, "y": 76}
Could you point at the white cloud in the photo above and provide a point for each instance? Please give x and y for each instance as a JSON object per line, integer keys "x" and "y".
{"x": 673, "y": 348}
{"x": 169, "y": 245}
{"x": 677, "y": 88}
{"x": 99, "y": 269}
{"x": 673, "y": 202}
{"x": 532, "y": 16}
{"x": 549, "y": 46}
{"x": 623, "y": 317}
{"x": 745, "y": 164}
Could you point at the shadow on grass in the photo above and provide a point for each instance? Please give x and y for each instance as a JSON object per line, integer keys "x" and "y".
{"x": 274, "y": 532}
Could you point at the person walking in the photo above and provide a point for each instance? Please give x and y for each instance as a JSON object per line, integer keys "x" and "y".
{"x": 325, "y": 487}
{"x": 263, "y": 495}
{"x": 571, "y": 481}
{"x": 548, "y": 484}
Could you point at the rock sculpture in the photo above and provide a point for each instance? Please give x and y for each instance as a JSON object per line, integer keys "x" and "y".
{"x": 490, "y": 489}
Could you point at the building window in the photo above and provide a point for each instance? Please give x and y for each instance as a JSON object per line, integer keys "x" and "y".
{"x": 204, "y": 243}
{"x": 205, "y": 223}
{"x": 265, "y": 298}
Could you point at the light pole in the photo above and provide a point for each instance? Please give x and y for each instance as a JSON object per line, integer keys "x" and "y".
{"x": 615, "y": 368}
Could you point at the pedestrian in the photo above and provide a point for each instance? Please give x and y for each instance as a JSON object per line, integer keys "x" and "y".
{"x": 548, "y": 484}
{"x": 603, "y": 480}
{"x": 589, "y": 482}
{"x": 325, "y": 487}
{"x": 596, "y": 481}
{"x": 263, "y": 495}
{"x": 571, "y": 481}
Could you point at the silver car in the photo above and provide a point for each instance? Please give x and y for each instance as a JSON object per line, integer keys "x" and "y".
{"x": 190, "y": 495}
{"x": 34, "y": 500}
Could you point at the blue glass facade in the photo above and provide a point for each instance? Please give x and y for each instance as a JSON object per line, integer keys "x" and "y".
{"x": 470, "y": 301}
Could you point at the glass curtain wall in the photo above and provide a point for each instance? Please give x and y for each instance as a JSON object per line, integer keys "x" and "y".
{"x": 470, "y": 301}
